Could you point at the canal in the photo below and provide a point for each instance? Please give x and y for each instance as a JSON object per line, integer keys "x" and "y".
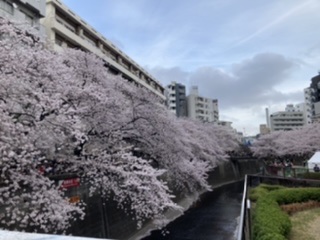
{"x": 214, "y": 217}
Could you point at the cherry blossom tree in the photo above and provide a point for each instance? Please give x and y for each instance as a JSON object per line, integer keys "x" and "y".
{"x": 299, "y": 142}
{"x": 28, "y": 112}
{"x": 66, "y": 107}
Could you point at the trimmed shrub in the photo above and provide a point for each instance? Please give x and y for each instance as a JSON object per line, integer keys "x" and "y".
{"x": 269, "y": 221}
{"x": 261, "y": 190}
{"x": 296, "y": 195}
{"x": 271, "y": 187}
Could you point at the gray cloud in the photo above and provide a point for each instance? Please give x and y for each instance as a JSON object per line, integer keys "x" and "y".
{"x": 168, "y": 75}
{"x": 245, "y": 89}
{"x": 250, "y": 82}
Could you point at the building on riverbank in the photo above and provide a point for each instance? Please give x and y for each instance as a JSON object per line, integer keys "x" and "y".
{"x": 65, "y": 29}
{"x": 24, "y": 11}
{"x": 202, "y": 108}
{"x": 292, "y": 118}
{"x": 176, "y": 99}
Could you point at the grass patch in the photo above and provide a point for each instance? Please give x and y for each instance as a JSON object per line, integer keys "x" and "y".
{"x": 305, "y": 225}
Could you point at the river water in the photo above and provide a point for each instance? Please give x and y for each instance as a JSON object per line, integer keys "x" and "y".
{"x": 214, "y": 217}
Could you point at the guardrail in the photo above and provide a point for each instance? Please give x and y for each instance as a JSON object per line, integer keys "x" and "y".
{"x": 244, "y": 227}
{"x": 7, "y": 235}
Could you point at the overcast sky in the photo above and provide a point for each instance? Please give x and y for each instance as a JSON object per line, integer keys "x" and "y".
{"x": 247, "y": 54}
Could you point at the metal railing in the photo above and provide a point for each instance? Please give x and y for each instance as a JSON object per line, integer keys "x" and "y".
{"x": 244, "y": 227}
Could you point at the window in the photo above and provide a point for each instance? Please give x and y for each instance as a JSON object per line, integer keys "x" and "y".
{"x": 59, "y": 40}
{"x": 6, "y": 6}
{"x": 90, "y": 39}
{"x": 65, "y": 22}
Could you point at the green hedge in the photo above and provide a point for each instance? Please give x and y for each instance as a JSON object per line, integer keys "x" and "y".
{"x": 269, "y": 221}
{"x": 260, "y": 191}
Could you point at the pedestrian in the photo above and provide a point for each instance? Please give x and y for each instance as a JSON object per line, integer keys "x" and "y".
{"x": 316, "y": 168}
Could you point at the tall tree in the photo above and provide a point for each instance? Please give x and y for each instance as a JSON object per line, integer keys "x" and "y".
{"x": 66, "y": 108}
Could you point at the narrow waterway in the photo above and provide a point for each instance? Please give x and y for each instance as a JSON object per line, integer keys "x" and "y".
{"x": 214, "y": 217}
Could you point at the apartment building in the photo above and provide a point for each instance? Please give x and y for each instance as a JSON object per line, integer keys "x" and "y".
{"x": 292, "y": 118}
{"x": 309, "y": 105}
{"x": 65, "y": 29}
{"x": 201, "y": 108}
{"x": 312, "y": 100}
{"x": 176, "y": 99}
{"x": 24, "y": 11}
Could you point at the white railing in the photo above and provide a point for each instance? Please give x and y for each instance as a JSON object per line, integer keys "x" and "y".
{"x": 6, "y": 235}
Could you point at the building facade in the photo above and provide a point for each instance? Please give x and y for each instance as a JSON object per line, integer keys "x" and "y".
{"x": 312, "y": 100}
{"x": 28, "y": 12}
{"x": 176, "y": 99}
{"x": 309, "y": 105}
{"x": 65, "y": 29}
{"x": 292, "y": 118}
{"x": 201, "y": 108}
{"x": 264, "y": 129}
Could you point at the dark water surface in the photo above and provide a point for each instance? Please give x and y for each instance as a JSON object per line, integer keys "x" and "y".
{"x": 214, "y": 217}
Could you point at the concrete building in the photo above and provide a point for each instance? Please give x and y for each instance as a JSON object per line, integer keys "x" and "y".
{"x": 316, "y": 116}
{"x": 225, "y": 124}
{"x": 65, "y": 29}
{"x": 309, "y": 106}
{"x": 24, "y": 11}
{"x": 264, "y": 129}
{"x": 312, "y": 99}
{"x": 176, "y": 99}
{"x": 201, "y": 108}
{"x": 291, "y": 118}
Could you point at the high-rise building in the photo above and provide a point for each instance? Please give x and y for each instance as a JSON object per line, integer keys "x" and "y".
{"x": 309, "y": 106}
{"x": 176, "y": 99}
{"x": 292, "y": 118}
{"x": 65, "y": 29}
{"x": 202, "y": 108}
{"x": 24, "y": 11}
{"x": 312, "y": 100}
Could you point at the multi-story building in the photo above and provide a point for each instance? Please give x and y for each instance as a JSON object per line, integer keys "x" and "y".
{"x": 201, "y": 108}
{"x": 292, "y": 118}
{"x": 176, "y": 99}
{"x": 65, "y": 29}
{"x": 24, "y": 11}
{"x": 309, "y": 106}
{"x": 264, "y": 129}
{"x": 312, "y": 100}
{"x": 225, "y": 124}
